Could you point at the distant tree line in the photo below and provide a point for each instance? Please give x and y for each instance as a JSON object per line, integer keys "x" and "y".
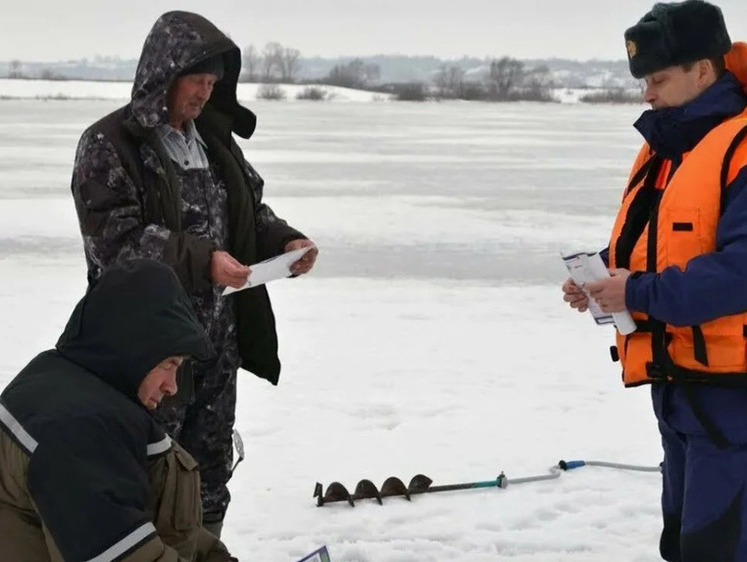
{"x": 507, "y": 79}
{"x": 354, "y": 74}
{"x": 16, "y": 71}
{"x": 496, "y": 79}
{"x": 277, "y": 63}
{"x": 610, "y": 93}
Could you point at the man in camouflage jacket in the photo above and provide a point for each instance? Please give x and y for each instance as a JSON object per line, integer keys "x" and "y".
{"x": 85, "y": 472}
{"x": 163, "y": 178}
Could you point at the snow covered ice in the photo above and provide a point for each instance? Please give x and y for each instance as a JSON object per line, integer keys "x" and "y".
{"x": 431, "y": 338}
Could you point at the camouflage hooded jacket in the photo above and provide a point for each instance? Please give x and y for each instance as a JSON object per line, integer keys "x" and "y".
{"x": 127, "y": 194}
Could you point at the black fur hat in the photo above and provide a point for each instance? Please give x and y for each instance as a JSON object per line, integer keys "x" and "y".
{"x": 676, "y": 33}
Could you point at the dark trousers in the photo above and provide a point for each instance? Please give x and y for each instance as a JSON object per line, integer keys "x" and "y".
{"x": 703, "y": 499}
{"x": 202, "y": 422}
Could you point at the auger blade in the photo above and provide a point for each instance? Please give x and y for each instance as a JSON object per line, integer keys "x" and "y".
{"x": 335, "y": 492}
{"x": 367, "y": 489}
{"x": 393, "y": 486}
{"x": 419, "y": 484}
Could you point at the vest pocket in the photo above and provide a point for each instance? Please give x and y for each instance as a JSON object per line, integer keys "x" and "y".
{"x": 179, "y": 512}
{"x": 724, "y": 344}
{"x": 174, "y": 500}
{"x": 187, "y": 503}
{"x": 635, "y": 354}
{"x": 679, "y": 236}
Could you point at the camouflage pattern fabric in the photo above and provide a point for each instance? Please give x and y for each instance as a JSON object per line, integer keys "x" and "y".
{"x": 115, "y": 229}
{"x": 202, "y": 421}
{"x": 133, "y": 201}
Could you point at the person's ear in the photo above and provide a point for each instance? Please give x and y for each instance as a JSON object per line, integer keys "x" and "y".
{"x": 706, "y": 72}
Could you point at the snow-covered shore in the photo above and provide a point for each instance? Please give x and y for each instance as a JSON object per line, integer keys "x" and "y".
{"x": 95, "y": 90}
{"x": 83, "y": 89}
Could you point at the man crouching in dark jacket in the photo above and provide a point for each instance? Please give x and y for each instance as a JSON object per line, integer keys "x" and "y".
{"x": 85, "y": 471}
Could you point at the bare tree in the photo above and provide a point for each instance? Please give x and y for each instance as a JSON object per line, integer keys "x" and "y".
{"x": 49, "y": 74}
{"x": 505, "y": 76}
{"x": 450, "y": 82}
{"x": 536, "y": 84}
{"x": 372, "y": 72}
{"x": 252, "y": 61}
{"x": 16, "y": 69}
{"x": 290, "y": 63}
{"x": 272, "y": 62}
{"x": 355, "y": 74}
{"x": 348, "y": 75}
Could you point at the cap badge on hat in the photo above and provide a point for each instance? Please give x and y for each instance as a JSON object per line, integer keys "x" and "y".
{"x": 676, "y": 33}
{"x": 632, "y": 48}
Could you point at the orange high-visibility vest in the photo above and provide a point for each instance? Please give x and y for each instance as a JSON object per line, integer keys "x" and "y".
{"x": 666, "y": 221}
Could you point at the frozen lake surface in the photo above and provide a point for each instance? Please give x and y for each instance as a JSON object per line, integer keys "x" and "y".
{"x": 431, "y": 338}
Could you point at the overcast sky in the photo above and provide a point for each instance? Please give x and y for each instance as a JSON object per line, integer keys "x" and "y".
{"x": 56, "y": 30}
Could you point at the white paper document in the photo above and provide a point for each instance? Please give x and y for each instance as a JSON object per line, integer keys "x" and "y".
{"x": 586, "y": 267}
{"x": 270, "y": 270}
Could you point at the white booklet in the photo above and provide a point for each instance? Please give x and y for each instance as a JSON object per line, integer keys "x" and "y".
{"x": 585, "y": 267}
{"x": 270, "y": 270}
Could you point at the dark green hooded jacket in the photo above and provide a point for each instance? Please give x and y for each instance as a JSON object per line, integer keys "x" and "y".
{"x": 82, "y": 462}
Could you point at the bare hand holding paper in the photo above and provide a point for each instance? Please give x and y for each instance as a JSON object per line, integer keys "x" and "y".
{"x": 270, "y": 270}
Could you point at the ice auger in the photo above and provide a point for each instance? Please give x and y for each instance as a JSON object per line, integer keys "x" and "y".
{"x": 421, "y": 484}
